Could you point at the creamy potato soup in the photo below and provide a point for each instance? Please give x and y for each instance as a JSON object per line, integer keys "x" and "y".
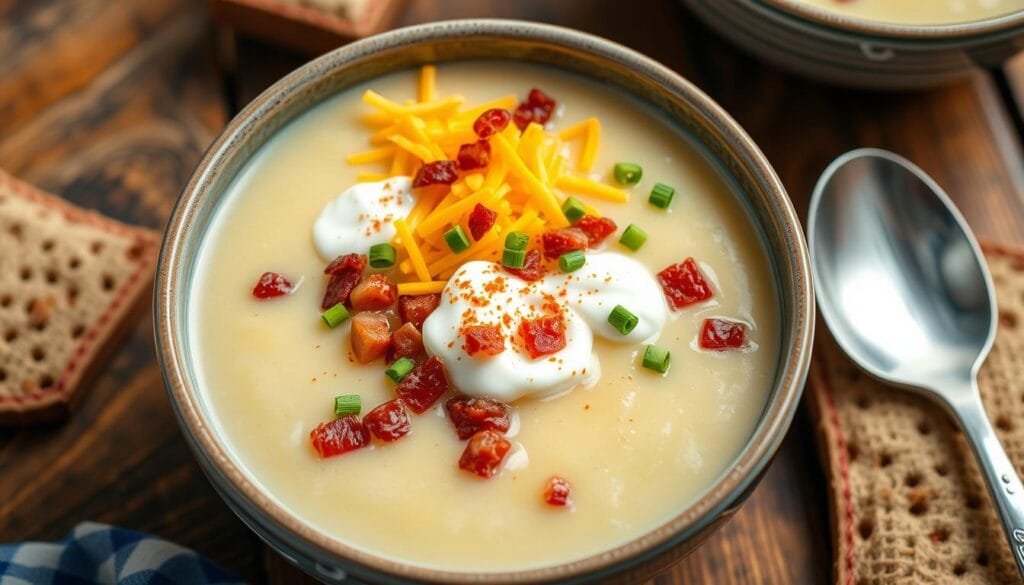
{"x": 921, "y": 11}
{"x": 463, "y": 323}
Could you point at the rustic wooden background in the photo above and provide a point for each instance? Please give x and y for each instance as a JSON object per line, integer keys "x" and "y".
{"x": 111, "y": 103}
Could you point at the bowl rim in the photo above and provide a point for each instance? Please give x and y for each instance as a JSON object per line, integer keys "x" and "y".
{"x": 835, "y": 20}
{"x": 747, "y": 466}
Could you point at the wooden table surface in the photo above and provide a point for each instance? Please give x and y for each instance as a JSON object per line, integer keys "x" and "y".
{"x": 110, "y": 104}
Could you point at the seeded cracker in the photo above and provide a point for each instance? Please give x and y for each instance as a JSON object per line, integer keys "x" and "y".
{"x": 908, "y": 502}
{"x": 68, "y": 280}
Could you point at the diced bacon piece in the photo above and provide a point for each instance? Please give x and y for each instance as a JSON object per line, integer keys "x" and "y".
{"x": 370, "y": 336}
{"x": 388, "y": 422}
{"x": 421, "y": 388}
{"x": 475, "y": 155}
{"x": 684, "y": 285}
{"x": 346, "y": 263}
{"x": 484, "y": 453}
{"x": 481, "y": 220}
{"x": 271, "y": 285}
{"x": 339, "y": 436}
{"x": 538, "y": 107}
{"x": 596, "y": 228}
{"x": 344, "y": 272}
{"x": 483, "y": 340}
{"x": 543, "y": 336}
{"x": 557, "y": 491}
{"x": 406, "y": 341}
{"x": 470, "y": 415}
{"x": 376, "y": 292}
{"x": 439, "y": 172}
{"x": 491, "y": 122}
{"x": 559, "y": 242}
{"x": 722, "y": 335}
{"x": 533, "y": 268}
{"x": 416, "y": 309}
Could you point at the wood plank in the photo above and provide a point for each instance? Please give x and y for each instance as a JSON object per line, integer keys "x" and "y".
{"x": 123, "y": 138}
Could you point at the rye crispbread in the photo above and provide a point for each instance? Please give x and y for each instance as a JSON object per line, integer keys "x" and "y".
{"x": 909, "y": 504}
{"x": 68, "y": 279}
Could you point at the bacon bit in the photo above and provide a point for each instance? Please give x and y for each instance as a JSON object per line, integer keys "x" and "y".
{"x": 483, "y": 340}
{"x": 439, "y": 172}
{"x": 424, "y": 385}
{"x": 271, "y": 285}
{"x": 339, "y": 436}
{"x": 684, "y": 284}
{"x": 471, "y": 415}
{"x": 538, "y": 108}
{"x": 596, "y": 228}
{"x": 481, "y": 220}
{"x": 533, "y": 268}
{"x": 491, "y": 122}
{"x": 345, "y": 272}
{"x": 475, "y": 155}
{"x": 374, "y": 293}
{"x": 388, "y": 422}
{"x": 557, "y": 492}
{"x": 406, "y": 341}
{"x": 722, "y": 335}
{"x": 559, "y": 242}
{"x": 543, "y": 336}
{"x": 370, "y": 336}
{"x": 484, "y": 453}
{"x": 416, "y": 309}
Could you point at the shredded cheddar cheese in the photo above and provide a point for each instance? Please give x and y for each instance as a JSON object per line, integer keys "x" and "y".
{"x": 524, "y": 182}
{"x": 421, "y": 288}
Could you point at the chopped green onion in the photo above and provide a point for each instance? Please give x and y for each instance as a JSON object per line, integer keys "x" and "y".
{"x": 517, "y": 241}
{"x": 572, "y": 261}
{"x": 399, "y": 369}
{"x": 382, "y": 256}
{"x": 633, "y": 237}
{"x": 573, "y": 209}
{"x": 661, "y": 195}
{"x": 628, "y": 173}
{"x": 347, "y": 404}
{"x": 335, "y": 315}
{"x": 656, "y": 358}
{"x": 513, "y": 258}
{"x": 622, "y": 320}
{"x": 456, "y": 239}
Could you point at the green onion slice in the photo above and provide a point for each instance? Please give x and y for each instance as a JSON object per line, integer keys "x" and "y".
{"x": 347, "y": 404}
{"x": 335, "y": 315}
{"x": 656, "y": 358}
{"x": 513, "y": 258}
{"x": 661, "y": 196}
{"x": 456, "y": 239}
{"x": 633, "y": 237}
{"x": 622, "y": 320}
{"x": 517, "y": 241}
{"x": 572, "y": 261}
{"x": 628, "y": 173}
{"x": 573, "y": 209}
{"x": 399, "y": 369}
{"x": 382, "y": 256}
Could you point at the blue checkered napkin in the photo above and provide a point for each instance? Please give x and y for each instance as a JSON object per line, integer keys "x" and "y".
{"x": 101, "y": 554}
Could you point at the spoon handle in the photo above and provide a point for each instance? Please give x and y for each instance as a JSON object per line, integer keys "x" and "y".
{"x": 1003, "y": 483}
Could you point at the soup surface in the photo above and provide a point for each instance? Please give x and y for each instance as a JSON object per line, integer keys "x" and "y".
{"x": 921, "y": 12}
{"x": 636, "y": 446}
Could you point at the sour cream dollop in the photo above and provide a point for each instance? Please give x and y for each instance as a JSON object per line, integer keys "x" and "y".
{"x": 362, "y": 216}
{"x": 482, "y": 293}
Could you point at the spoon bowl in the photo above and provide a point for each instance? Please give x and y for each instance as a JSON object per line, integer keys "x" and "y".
{"x": 904, "y": 288}
{"x": 901, "y": 281}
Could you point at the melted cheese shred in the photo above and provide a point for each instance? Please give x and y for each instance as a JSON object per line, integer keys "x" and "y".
{"x": 525, "y": 182}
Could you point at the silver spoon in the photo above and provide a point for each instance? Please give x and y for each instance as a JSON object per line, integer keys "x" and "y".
{"x": 903, "y": 286}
